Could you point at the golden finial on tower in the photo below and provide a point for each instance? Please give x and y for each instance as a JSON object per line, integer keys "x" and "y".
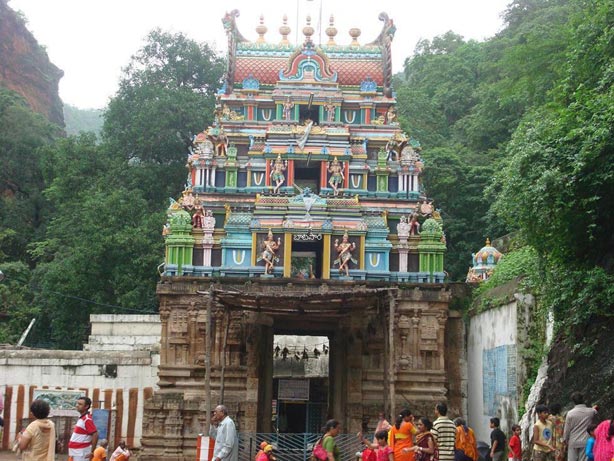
{"x": 285, "y": 30}
{"x": 261, "y": 29}
{"x": 308, "y": 30}
{"x": 354, "y": 33}
{"x": 331, "y": 31}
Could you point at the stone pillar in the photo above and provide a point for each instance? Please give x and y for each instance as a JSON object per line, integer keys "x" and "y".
{"x": 165, "y": 313}
{"x": 354, "y": 357}
{"x": 403, "y": 234}
{"x": 207, "y": 242}
{"x": 381, "y": 172}
{"x": 232, "y": 168}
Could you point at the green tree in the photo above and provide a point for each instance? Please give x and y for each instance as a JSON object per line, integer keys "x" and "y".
{"x": 557, "y": 185}
{"x": 22, "y": 132}
{"x": 16, "y": 301}
{"x": 78, "y": 120}
{"x": 166, "y": 96}
{"x": 101, "y": 247}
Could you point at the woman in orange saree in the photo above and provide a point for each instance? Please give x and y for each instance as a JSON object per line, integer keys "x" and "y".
{"x": 401, "y": 436}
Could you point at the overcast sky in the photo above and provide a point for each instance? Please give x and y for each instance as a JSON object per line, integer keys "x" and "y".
{"x": 92, "y": 40}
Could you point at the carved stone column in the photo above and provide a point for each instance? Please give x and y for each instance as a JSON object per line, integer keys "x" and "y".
{"x": 403, "y": 233}
{"x": 404, "y": 361}
{"x": 207, "y": 242}
{"x": 165, "y": 312}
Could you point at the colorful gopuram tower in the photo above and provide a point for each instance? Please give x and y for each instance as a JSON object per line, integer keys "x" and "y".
{"x": 306, "y": 145}
{"x": 304, "y": 214}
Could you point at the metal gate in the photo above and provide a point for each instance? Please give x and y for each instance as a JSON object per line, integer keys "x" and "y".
{"x": 294, "y": 447}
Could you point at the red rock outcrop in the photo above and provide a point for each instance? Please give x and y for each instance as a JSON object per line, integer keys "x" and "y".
{"x": 25, "y": 67}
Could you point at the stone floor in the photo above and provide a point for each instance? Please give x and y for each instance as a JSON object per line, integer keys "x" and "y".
{"x": 7, "y": 455}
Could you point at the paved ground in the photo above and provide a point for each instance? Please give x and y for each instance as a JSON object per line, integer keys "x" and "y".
{"x": 10, "y": 456}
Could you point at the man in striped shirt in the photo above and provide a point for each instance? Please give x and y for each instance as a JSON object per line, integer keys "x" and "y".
{"x": 444, "y": 431}
{"x": 85, "y": 435}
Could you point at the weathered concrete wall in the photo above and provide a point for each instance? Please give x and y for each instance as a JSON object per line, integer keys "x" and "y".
{"x": 114, "y": 379}
{"x": 495, "y": 367}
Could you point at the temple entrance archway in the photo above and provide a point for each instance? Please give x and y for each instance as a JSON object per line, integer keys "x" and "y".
{"x": 300, "y": 383}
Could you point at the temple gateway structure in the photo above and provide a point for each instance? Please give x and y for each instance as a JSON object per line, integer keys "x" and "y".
{"x": 303, "y": 214}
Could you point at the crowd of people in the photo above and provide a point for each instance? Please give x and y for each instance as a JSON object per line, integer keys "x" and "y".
{"x": 37, "y": 442}
{"x": 577, "y": 436}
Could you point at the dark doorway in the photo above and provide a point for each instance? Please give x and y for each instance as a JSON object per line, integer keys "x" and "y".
{"x": 307, "y": 259}
{"x": 307, "y": 174}
{"x": 309, "y": 113}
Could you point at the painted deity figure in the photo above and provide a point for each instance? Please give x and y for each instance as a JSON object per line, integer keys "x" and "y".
{"x": 336, "y": 177}
{"x": 188, "y": 200}
{"x": 277, "y": 174}
{"x": 288, "y": 105}
{"x": 330, "y": 112}
{"x": 391, "y": 115}
{"x": 392, "y": 149}
{"x": 269, "y": 252}
{"x": 209, "y": 220}
{"x": 403, "y": 227}
{"x": 198, "y": 219}
{"x": 414, "y": 225}
{"x": 344, "y": 249}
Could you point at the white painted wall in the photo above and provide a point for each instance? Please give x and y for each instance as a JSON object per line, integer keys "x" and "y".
{"x": 488, "y": 330}
{"x": 131, "y": 342}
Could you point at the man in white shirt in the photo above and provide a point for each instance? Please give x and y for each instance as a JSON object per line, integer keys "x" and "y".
{"x": 577, "y": 421}
{"x": 224, "y": 432}
{"x": 444, "y": 431}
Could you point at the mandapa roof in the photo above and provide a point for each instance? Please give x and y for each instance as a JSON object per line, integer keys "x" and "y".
{"x": 352, "y": 64}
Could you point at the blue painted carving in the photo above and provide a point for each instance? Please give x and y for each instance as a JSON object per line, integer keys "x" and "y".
{"x": 368, "y": 85}
{"x": 251, "y": 83}
{"x": 307, "y": 66}
{"x": 267, "y": 148}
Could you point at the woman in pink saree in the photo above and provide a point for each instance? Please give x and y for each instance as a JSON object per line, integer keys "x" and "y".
{"x": 604, "y": 441}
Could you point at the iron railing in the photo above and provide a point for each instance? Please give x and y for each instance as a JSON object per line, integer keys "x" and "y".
{"x": 294, "y": 447}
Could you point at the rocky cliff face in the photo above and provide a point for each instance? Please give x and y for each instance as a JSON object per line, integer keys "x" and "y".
{"x": 25, "y": 67}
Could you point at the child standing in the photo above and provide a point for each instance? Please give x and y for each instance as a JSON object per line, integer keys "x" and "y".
{"x": 590, "y": 443}
{"x": 382, "y": 450}
{"x": 497, "y": 440}
{"x": 515, "y": 444}
{"x": 543, "y": 436}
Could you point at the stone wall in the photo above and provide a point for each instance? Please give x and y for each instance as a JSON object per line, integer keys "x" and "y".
{"x": 387, "y": 351}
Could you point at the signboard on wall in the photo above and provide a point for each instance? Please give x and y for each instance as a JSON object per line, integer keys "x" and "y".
{"x": 62, "y": 403}
{"x": 293, "y": 389}
{"x": 101, "y": 420}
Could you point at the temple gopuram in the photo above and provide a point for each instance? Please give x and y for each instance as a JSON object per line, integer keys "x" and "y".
{"x": 303, "y": 214}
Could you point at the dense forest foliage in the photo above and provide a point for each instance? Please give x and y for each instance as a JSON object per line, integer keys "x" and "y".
{"x": 81, "y": 217}
{"x": 517, "y": 136}
{"x": 82, "y": 120}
